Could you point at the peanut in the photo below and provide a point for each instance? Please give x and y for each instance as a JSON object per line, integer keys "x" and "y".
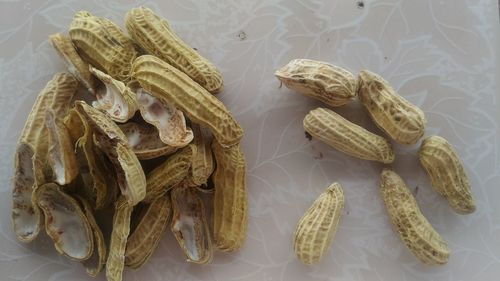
{"x": 155, "y": 35}
{"x": 143, "y": 241}
{"x": 230, "y": 199}
{"x": 328, "y": 83}
{"x": 317, "y": 228}
{"x": 169, "y": 173}
{"x": 447, "y": 173}
{"x": 413, "y": 228}
{"x": 393, "y": 114}
{"x": 332, "y": 129}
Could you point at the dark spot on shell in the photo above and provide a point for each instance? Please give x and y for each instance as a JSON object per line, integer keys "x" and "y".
{"x": 360, "y": 4}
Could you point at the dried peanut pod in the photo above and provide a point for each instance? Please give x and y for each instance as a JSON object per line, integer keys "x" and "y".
{"x": 172, "y": 86}
{"x": 61, "y": 155}
{"x": 114, "y": 97}
{"x": 98, "y": 183}
{"x": 393, "y": 114}
{"x": 336, "y": 131}
{"x": 189, "y": 224}
{"x": 325, "y": 82}
{"x": 96, "y": 261}
{"x": 413, "y": 228}
{"x": 29, "y": 167}
{"x": 230, "y": 198}
{"x": 117, "y": 246}
{"x": 202, "y": 165}
{"x": 318, "y": 226}
{"x": 167, "y": 118}
{"x": 102, "y": 44}
{"x": 146, "y": 237}
{"x": 65, "y": 222}
{"x": 447, "y": 173}
{"x": 113, "y": 142}
{"x": 155, "y": 35}
{"x": 74, "y": 63}
{"x": 169, "y": 173}
{"x": 144, "y": 141}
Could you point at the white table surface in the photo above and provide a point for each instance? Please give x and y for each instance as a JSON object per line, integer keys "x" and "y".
{"x": 441, "y": 55}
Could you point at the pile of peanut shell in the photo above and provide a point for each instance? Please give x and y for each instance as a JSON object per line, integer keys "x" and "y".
{"x": 151, "y": 139}
{"x": 400, "y": 121}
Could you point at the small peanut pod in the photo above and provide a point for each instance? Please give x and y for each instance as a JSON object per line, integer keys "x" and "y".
{"x": 230, "y": 198}
{"x": 447, "y": 173}
{"x": 155, "y": 35}
{"x": 332, "y": 129}
{"x": 413, "y": 228}
{"x": 328, "y": 83}
{"x": 172, "y": 86}
{"x": 74, "y": 63}
{"x": 317, "y": 228}
{"x": 30, "y": 157}
{"x": 393, "y": 114}
{"x": 117, "y": 246}
{"x": 102, "y": 44}
{"x": 169, "y": 173}
{"x": 190, "y": 225}
{"x": 146, "y": 237}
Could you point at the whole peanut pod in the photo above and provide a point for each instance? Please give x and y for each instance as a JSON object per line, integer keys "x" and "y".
{"x": 413, "y": 228}
{"x": 317, "y": 228}
{"x": 447, "y": 173}
{"x": 328, "y": 83}
{"x": 393, "y": 114}
{"x": 331, "y": 128}
{"x": 156, "y": 36}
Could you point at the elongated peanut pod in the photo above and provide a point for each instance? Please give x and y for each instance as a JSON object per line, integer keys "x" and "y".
{"x": 328, "y": 83}
{"x": 117, "y": 246}
{"x": 156, "y": 36}
{"x": 317, "y": 228}
{"x": 230, "y": 198}
{"x": 447, "y": 173}
{"x": 393, "y": 114}
{"x": 147, "y": 235}
{"x": 331, "y": 128}
{"x": 413, "y": 228}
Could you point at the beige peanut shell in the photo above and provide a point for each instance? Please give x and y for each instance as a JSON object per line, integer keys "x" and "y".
{"x": 317, "y": 228}
{"x": 447, "y": 173}
{"x": 413, "y": 228}
{"x": 336, "y": 131}
{"x": 230, "y": 198}
{"x": 155, "y": 35}
{"x": 402, "y": 121}
{"x": 325, "y": 82}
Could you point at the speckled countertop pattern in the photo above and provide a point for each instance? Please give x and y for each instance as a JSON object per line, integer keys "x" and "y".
{"x": 440, "y": 54}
